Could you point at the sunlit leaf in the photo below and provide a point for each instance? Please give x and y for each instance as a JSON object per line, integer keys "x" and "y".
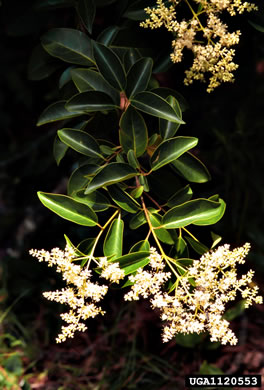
{"x": 197, "y": 211}
{"x": 80, "y": 141}
{"x": 113, "y": 243}
{"x": 69, "y": 209}
{"x": 191, "y": 168}
{"x": 110, "y": 174}
{"x": 170, "y": 150}
{"x": 152, "y": 104}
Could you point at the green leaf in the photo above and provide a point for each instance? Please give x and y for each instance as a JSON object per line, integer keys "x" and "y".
{"x": 197, "y": 212}
{"x": 90, "y": 101}
{"x": 123, "y": 199}
{"x": 80, "y": 141}
{"x": 69, "y": 209}
{"x": 110, "y": 174}
{"x": 65, "y": 77}
{"x": 210, "y": 369}
{"x": 113, "y": 243}
{"x": 59, "y": 150}
{"x": 132, "y": 160}
{"x": 86, "y": 10}
{"x": 137, "y": 192}
{"x": 137, "y": 220}
{"x": 133, "y": 132}
{"x": 138, "y": 76}
{"x": 109, "y": 66}
{"x": 131, "y": 57}
{"x": 152, "y": 104}
{"x": 87, "y": 79}
{"x": 165, "y": 92}
{"x": 107, "y": 36}
{"x": 189, "y": 340}
{"x": 70, "y": 245}
{"x": 257, "y": 26}
{"x": 132, "y": 261}
{"x": 136, "y": 11}
{"x": 97, "y": 201}
{"x": 181, "y": 248}
{"x": 191, "y": 168}
{"x": 197, "y": 245}
{"x": 162, "y": 234}
{"x": 167, "y": 128}
{"x": 69, "y": 45}
{"x": 212, "y": 218}
{"x": 170, "y": 150}
{"x": 41, "y": 65}
{"x": 80, "y": 178}
{"x": 140, "y": 246}
{"x": 181, "y": 196}
{"x": 56, "y": 112}
{"x": 216, "y": 239}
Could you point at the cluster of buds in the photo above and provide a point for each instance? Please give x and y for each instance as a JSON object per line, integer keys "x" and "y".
{"x": 204, "y": 33}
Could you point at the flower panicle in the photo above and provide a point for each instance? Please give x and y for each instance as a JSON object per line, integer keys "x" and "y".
{"x": 81, "y": 294}
{"x": 200, "y": 307}
{"x": 204, "y": 34}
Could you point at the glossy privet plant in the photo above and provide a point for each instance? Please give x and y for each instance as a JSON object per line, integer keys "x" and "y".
{"x": 135, "y": 179}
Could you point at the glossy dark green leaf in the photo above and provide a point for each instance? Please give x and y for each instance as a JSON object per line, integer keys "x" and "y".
{"x": 59, "y": 150}
{"x": 56, "y": 112}
{"x": 137, "y": 220}
{"x": 197, "y": 212}
{"x": 181, "y": 248}
{"x": 162, "y": 234}
{"x": 41, "y": 65}
{"x": 144, "y": 182}
{"x": 87, "y": 79}
{"x": 123, "y": 199}
{"x": 197, "y": 246}
{"x": 212, "y": 218}
{"x": 131, "y": 57}
{"x": 133, "y": 132}
{"x": 138, "y": 76}
{"x": 181, "y": 196}
{"x": 86, "y": 10}
{"x": 170, "y": 150}
{"x": 107, "y": 36}
{"x": 69, "y": 45}
{"x": 165, "y": 92}
{"x": 140, "y": 246}
{"x": 65, "y": 77}
{"x": 191, "y": 168}
{"x": 113, "y": 244}
{"x": 110, "y": 174}
{"x": 69, "y": 209}
{"x": 136, "y": 11}
{"x": 80, "y": 177}
{"x": 152, "y": 104}
{"x": 132, "y": 160}
{"x": 80, "y": 141}
{"x": 216, "y": 239}
{"x": 91, "y": 101}
{"x": 132, "y": 261}
{"x": 109, "y": 66}
{"x": 168, "y": 129}
{"x": 97, "y": 201}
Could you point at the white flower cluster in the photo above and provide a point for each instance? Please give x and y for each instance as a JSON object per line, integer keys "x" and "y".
{"x": 84, "y": 294}
{"x": 198, "y": 307}
{"x": 205, "y": 34}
